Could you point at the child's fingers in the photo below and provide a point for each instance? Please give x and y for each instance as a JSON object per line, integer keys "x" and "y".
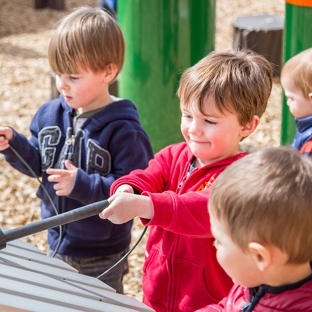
{"x": 106, "y": 213}
{"x": 4, "y": 147}
{"x": 3, "y": 139}
{"x": 58, "y": 172}
{"x": 61, "y": 193}
{"x": 6, "y": 132}
{"x": 4, "y": 143}
{"x": 54, "y": 178}
{"x": 69, "y": 165}
{"x": 111, "y": 199}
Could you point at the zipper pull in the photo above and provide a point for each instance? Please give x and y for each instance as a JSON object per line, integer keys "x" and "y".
{"x": 70, "y": 140}
{"x": 182, "y": 182}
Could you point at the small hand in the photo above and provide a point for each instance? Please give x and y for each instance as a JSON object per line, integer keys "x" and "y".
{"x": 64, "y": 179}
{"x": 124, "y": 207}
{"x": 6, "y": 134}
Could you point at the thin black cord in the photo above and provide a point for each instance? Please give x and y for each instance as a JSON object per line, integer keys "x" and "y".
{"x": 34, "y": 174}
{"x": 126, "y": 255}
{"x": 59, "y": 199}
{"x": 45, "y": 190}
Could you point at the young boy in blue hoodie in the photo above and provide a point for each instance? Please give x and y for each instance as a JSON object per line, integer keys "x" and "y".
{"x": 82, "y": 142}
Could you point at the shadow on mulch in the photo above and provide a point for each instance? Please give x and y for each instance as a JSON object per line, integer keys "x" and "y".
{"x": 17, "y": 17}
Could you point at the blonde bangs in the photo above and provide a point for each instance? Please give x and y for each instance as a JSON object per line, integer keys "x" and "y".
{"x": 89, "y": 39}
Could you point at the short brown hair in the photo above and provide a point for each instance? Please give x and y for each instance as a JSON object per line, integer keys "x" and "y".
{"x": 266, "y": 197}
{"x": 237, "y": 81}
{"x": 87, "y": 37}
{"x": 299, "y": 68}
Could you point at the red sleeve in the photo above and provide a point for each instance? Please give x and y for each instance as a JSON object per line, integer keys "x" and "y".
{"x": 185, "y": 214}
{"x": 153, "y": 179}
{"x": 307, "y": 148}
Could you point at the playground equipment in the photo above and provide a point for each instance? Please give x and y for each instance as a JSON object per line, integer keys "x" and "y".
{"x": 263, "y": 34}
{"x": 163, "y": 38}
{"x": 297, "y": 37}
{"x": 32, "y": 281}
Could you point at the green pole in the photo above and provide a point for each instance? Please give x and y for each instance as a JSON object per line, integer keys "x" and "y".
{"x": 163, "y": 38}
{"x": 297, "y": 37}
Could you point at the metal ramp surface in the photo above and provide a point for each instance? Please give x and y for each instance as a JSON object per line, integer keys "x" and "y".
{"x": 32, "y": 281}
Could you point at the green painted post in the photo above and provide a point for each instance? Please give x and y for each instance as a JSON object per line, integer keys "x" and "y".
{"x": 297, "y": 37}
{"x": 163, "y": 38}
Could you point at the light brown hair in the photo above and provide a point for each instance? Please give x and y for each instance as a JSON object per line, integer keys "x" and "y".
{"x": 299, "y": 68}
{"x": 266, "y": 197}
{"x": 237, "y": 81}
{"x": 87, "y": 37}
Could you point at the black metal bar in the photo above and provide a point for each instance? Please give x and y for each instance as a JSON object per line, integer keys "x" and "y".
{"x": 42, "y": 225}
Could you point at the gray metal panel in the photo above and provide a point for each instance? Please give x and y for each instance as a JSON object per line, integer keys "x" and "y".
{"x": 35, "y": 257}
{"x": 12, "y": 303}
{"x": 24, "y": 245}
{"x": 28, "y": 264}
{"x": 21, "y": 281}
{"x": 31, "y": 281}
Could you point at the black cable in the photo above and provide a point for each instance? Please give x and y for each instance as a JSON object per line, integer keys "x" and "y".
{"x": 35, "y": 176}
{"x": 126, "y": 255}
{"x": 45, "y": 190}
{"x": 59, "y": 199}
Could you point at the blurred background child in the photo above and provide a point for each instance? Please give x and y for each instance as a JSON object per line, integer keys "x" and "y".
{"x": 296, "y": 79}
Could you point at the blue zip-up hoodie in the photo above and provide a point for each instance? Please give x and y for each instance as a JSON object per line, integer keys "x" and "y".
{"x": 111, "y": 143}
{"x": 304, "y": 132}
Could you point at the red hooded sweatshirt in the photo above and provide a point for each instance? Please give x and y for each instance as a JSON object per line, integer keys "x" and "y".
{"x": 181, "y": 272}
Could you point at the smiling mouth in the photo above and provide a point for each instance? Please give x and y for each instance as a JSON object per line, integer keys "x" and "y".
{"x": 199, "y": 142}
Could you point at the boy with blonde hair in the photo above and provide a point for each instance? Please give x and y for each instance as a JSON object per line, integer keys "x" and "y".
{"x": 260, "y": 211}
{"x": 83, "y": 141}
{"x": 222, "y": 98}
{"x": 296, "y": 79}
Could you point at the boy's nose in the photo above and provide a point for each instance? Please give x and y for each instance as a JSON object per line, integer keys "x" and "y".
{"x": 61, "y": 83}
{"x": 195, "y": 128}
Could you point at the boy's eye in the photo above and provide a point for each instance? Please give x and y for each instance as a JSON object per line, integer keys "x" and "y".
{"x": 73, "y": 77}
{"x": 210, "y": 122}
{"x": 186, "y": 115}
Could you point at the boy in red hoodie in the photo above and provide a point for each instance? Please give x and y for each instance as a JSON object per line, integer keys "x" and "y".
{"x": 222, "y": 98}
{"x": 261, "y": 216}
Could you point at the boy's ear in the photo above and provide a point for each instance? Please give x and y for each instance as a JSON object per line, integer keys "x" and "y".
{"x": 310, "y": 95}
{"x": 261, "y": 255}
{"x": 250, "y": 127}
{"x": 110, "y": 73}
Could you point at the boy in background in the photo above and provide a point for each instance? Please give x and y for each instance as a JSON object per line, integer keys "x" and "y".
{"x": 261, "y": 216}
{"x": 296, "y": 79}
{"x": 222, "y": 98}
{"x": 82, "y": 142}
